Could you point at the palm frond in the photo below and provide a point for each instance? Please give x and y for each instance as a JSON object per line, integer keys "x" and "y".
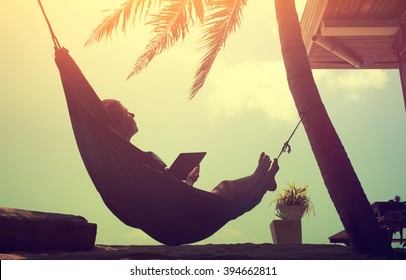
{"x": 171, "y": 24}
{"x": 224, "y": 18}
{"x": 199, "y": 9}
{"x": 128, "y": 10}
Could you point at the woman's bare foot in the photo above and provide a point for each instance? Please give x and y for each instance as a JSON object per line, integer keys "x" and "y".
{"x": 268, "y": 181}
{"x": 264, "y": 163}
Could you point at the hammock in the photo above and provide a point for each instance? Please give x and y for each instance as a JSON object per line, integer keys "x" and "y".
{"x": 132, "y": 185}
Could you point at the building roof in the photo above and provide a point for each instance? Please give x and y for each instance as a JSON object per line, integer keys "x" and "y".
{"x": 347, "y": 34}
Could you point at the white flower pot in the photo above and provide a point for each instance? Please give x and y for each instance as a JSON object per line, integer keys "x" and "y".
{"x": 293, "y": 212}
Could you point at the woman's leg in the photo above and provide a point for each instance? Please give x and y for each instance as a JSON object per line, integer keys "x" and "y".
{"x": 251, "y": 187}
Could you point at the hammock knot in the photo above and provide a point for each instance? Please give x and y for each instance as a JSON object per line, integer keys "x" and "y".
{"x": 287, "y": 148}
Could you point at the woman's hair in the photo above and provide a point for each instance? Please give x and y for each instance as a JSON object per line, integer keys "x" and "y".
{"x": 115, "y": 109}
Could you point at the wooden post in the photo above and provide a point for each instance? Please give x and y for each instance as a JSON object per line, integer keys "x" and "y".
{"x": 286, "y": 231}
{"x": 399, "y": 45}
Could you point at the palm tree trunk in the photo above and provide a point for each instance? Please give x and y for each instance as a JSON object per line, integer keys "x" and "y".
{"x": 339, "y": 176}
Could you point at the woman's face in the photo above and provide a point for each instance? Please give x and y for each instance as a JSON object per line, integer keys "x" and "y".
{"x": 127, "y": 126}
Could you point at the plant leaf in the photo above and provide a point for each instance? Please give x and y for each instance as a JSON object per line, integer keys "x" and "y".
{"x": 170, "y": 24}
{"x": 224, "y": 18}
{"x": 125, "y": 13}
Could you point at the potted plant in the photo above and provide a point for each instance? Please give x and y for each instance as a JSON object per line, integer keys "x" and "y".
{"x": 292, "y": 203}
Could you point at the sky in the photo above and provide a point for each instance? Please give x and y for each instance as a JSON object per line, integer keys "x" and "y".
{"x": 244, "y": 108}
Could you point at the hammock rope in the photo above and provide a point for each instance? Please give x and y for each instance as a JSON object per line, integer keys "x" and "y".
{"x": 286, "y": 147}
{"x": 54, "y": 39}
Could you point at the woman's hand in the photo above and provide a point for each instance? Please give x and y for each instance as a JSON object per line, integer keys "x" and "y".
{"x": 193, "y": 176}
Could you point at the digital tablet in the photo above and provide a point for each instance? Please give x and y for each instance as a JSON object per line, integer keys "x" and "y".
{"x": 184, "y": 164}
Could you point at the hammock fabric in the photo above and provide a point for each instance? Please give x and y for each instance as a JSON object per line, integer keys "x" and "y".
{"x": 132, "y": 185}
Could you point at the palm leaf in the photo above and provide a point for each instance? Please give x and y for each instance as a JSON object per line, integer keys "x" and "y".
{"x": 125, "y": 13}
{"x": 199, "y": 9}
{"x": 224, "y": 18}
{"x": 170, "y": 24}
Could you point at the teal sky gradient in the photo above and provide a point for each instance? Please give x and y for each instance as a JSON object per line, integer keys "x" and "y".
{"x": 244, "y": 108}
